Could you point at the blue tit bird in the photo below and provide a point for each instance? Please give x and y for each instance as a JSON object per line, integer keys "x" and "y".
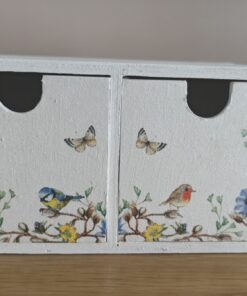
{"x": 56, "y": 199}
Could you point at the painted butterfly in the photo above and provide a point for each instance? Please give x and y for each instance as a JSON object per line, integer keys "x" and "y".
{"x": 80, "y": 144}
{"x": 143, "y": 142}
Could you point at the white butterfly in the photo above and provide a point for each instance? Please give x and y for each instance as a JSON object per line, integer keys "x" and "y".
{"x": 143, "y": 142}
{"x": 80, "y": 144}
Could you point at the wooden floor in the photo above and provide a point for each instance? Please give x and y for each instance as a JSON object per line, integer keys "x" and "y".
{"x": 123, "y": 275}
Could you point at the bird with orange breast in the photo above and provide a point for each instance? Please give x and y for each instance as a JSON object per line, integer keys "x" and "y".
{"x": 180, "y": 197}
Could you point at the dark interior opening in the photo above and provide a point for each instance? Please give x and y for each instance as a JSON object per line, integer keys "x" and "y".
{"x": 20, "y": 92}
{"x": 207, "y": 97}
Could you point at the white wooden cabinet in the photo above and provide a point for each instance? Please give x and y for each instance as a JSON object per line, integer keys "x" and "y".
{"x": 106, "y": 192}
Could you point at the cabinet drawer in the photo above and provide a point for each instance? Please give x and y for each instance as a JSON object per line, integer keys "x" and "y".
{"x": 54, "y": 159}
{"x": 182, "y": 177}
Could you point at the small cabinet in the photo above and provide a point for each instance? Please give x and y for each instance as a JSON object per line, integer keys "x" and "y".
{"x": 113, "y": 158}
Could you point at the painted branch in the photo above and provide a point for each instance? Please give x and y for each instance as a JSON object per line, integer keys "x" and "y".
{"x": 57, "y": 214}
{"x": 130, "y": 227}
{"x": 198, "y": 236}
{"x": 27, "y": 234}
{"x": 132, "y": 233}
{"x": 170, "y": 214}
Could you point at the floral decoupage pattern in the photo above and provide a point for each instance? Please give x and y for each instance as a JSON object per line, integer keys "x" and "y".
{"x": 157, "y": 202}
{"x": 139, "y": 222}
{"x": 56, "y": 225}
{"x": 50, "y": 158}
{"x": 135, "y": 220}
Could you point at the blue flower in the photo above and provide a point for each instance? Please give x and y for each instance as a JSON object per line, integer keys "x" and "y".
{"x": 103, "y": 229}
{"x": 120, "y": 226}
{"x": 241, "y": 203}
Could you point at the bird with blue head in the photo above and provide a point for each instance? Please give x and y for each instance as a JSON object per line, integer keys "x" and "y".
{"x": 55, "y": 199}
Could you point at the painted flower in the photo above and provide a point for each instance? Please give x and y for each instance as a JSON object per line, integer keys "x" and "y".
{"x": 103, "y": 229}
{"x": 153, "y": 232}
{"x": 241, "y": 203}
{"x": 39, "y": 227}
{"x": 180, "y": 228}
{"x": 68, "y": 233}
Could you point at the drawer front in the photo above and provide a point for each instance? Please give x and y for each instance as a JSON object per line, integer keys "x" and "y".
{"x": 54, "y": 159}
{"x": 182, "y": 177}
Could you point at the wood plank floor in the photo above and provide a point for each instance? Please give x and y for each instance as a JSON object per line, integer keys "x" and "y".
{"x": 123, "y": 275}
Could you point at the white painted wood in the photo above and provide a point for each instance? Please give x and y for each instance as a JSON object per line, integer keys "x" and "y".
{"x": 34, "y": 154}
{"x": 209, "y": 153}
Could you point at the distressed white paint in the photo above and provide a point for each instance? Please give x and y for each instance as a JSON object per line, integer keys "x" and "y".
{"x": 34, "y": 154}
{"x": 208, "y": 154}
{"x": 213, "y": 168}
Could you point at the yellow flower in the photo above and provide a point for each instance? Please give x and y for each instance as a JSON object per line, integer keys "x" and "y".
{"x": 153, "y": 232}
{"x": 68, "y": 233}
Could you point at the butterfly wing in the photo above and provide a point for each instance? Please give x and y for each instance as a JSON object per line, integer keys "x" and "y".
{"x": 81, "y": 147}
{"x": 78, "y": 144}
{"x": 153, "y": 147}
{"x": 142, "y": 139}
{"x": 89, "y": 138}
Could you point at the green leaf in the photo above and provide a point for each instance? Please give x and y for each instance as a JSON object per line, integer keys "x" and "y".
{"x": 17, "y": 239}
{"x": 1, "y": 221}
{"x": 125, "y": 204}
{"x": 219, "y": 199}
{"x": 88, "y": 191}
{"x": 148, "y": 197}
{"x": 23, "y": 227}
{"x": 225, "y": 221}
{"x": 214, "y": 210}
{"x": 98, "y": 206}
{"x": 150, "y": 222}
{"x": 210, "y": 198}
{"x": 164, "y": 228}
{"x": 103, "y": 212}
{"x": 244, "y": 132}
{"x": 6, "y": 206}
{"x": 12, "y": 193}
{"x": 2, "y": 194}
{"x": 238, "y": 233}
{"x": 137, "y": 191}
{"x": 233, "y": 225}
{"x": 218, "y": 225}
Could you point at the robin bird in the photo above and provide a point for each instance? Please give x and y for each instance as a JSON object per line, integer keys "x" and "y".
{"x": 180, "y": 197}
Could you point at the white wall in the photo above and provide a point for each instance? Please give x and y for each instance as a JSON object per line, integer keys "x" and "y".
{"x": 196, "y": 30}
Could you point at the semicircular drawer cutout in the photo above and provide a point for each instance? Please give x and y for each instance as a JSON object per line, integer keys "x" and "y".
{"x": 54, "y": 164}
{"x": 182, "y": 177}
